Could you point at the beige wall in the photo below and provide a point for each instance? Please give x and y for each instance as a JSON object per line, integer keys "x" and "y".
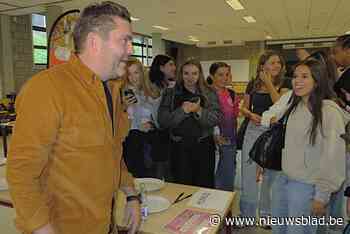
{"x": 250, "y": 51}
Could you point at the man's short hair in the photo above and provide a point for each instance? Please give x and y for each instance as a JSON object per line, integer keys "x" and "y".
{"x": 343, "y": 41}
{"x": 97, "y": 18}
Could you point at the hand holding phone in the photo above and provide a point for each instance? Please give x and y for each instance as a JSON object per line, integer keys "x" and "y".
{"x": 129, "y": 97}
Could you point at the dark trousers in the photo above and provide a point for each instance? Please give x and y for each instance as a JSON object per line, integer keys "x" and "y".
{"x": 134, "y": 150}
{"x": 193, "y": 163}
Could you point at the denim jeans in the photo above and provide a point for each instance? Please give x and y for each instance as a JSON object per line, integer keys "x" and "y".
{"x": 335, "y": 209}
{"x": 266, "y": 192}
{"x": 226, "y": 170}
{"x": 291, "y": 198}
{"x": 249, "y": 187}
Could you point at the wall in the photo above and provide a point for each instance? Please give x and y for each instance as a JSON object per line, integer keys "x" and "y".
{"x": 21, "y": 34}
{"x": 251, "y": 51}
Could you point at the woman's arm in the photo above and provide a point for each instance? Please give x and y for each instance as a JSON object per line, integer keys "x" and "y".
{"x": 168, "y": 118}
{"x": 211, "y": 115}
{"x": 332, "y": 159}
{"x": 276, "y": 110}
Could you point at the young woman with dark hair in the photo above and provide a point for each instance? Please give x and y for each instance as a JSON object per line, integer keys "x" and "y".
{"x": 190, "y": 111}
{"x": 313, "y": 160}
{"x": 162, "y": 72}
{"x": 220, "y": 74}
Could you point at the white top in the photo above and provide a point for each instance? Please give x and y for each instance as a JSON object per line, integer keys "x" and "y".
{"x": 277, "y": 109}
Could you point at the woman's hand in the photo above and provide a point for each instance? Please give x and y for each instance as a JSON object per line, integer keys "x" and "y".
{"x": 129, "y": 100}
{"x": 255, "y": 118}
{"x": 265, "y": 77}
{"x": 220, "y": 140}
{"x": 147, "y": 126}
{"x": 259, "y": 173}
{"x": 189, "y": 107}
{"x": 273, "y": 120}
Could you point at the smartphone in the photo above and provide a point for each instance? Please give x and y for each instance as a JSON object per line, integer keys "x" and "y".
{"x": 194, "y": 99}
{"x": 130, "y": 92}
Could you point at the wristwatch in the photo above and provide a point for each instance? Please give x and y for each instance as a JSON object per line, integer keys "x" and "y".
{"x": 133, "y": 198}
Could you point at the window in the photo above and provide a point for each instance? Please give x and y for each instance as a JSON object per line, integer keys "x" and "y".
{"x": 142, "y": 49}
{"x": 39, "y": 39}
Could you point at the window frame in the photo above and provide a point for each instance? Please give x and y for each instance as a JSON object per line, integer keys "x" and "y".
{"x": 40, "y": 47}
{"x": 144, "y": 46}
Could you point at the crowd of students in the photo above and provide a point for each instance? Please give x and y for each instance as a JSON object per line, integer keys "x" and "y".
{"x": 182, "y": 120}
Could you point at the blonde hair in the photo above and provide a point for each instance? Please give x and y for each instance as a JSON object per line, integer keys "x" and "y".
{"x": 144, "y": 80}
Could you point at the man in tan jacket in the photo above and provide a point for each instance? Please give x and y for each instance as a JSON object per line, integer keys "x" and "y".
{"x": 65, "y": 164}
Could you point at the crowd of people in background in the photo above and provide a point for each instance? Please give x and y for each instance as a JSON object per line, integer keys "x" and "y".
{"x": 197, "y": 117}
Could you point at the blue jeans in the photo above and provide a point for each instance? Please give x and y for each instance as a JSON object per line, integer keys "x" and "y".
{"x": 249, "y": 187}
{"x": 226, "y": 171}
{"x": 265, "y": 192}
{"x": 291, "y": 198}
{"x": 335, "y": 209}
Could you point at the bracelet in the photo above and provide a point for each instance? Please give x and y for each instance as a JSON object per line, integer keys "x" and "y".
{"x": 133, "y": 198}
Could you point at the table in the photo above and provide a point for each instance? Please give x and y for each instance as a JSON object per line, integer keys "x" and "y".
{"x": 155, "y": 222}
{"x": 6, "y": 129}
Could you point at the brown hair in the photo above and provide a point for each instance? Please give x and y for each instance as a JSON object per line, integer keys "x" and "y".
{"x": 262, "y": 61}
{"x": 202, "y": 86}
{"x": 97, "y": 18}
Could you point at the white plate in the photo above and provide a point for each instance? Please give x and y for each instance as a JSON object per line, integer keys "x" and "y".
{"x": 2, "y": 161}
{"x": 157, "y": 204}
{"x": 3, "y": 184}
{"x": 151, "y": 184}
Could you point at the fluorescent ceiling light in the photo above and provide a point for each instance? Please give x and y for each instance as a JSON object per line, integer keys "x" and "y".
{"x": 160, "y": 27}
{"x": 268, "y": 37}
{"x": 193, "y": 38}
{"x": 249, "y": 19}
{"x": 348, "y": 32}
{"x": 134, "y": 19}
{"x": 235, "y": 4}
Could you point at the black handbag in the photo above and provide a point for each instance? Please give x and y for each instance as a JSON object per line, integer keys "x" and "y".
{"x": 267, "y": 149}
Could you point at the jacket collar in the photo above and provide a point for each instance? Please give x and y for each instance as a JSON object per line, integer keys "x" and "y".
{"x": 85, "y": 73}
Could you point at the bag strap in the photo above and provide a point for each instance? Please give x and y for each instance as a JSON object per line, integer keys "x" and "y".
{"x": 284, "y": 121}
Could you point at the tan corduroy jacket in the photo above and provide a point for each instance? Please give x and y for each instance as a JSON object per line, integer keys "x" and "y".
{"x": 64, "y": 162}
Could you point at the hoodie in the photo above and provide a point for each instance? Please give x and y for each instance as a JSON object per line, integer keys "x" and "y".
{"x": 322, "y": 164}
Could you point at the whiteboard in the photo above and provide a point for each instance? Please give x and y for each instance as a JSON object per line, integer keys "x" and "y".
{"x": 239, "y": 69}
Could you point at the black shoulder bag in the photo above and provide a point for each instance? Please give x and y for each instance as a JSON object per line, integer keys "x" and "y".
{"x": 267, "y": 149}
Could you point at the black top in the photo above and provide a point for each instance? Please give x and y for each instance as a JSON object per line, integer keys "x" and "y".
{"x": 343, "y": 83}
{"x": 260, "y": 102}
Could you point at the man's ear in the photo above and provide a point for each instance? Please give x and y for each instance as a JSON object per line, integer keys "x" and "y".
{"x": 93, "y": 41}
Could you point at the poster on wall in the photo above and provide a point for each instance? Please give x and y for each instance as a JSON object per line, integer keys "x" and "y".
{"x": 61, "y": 38}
